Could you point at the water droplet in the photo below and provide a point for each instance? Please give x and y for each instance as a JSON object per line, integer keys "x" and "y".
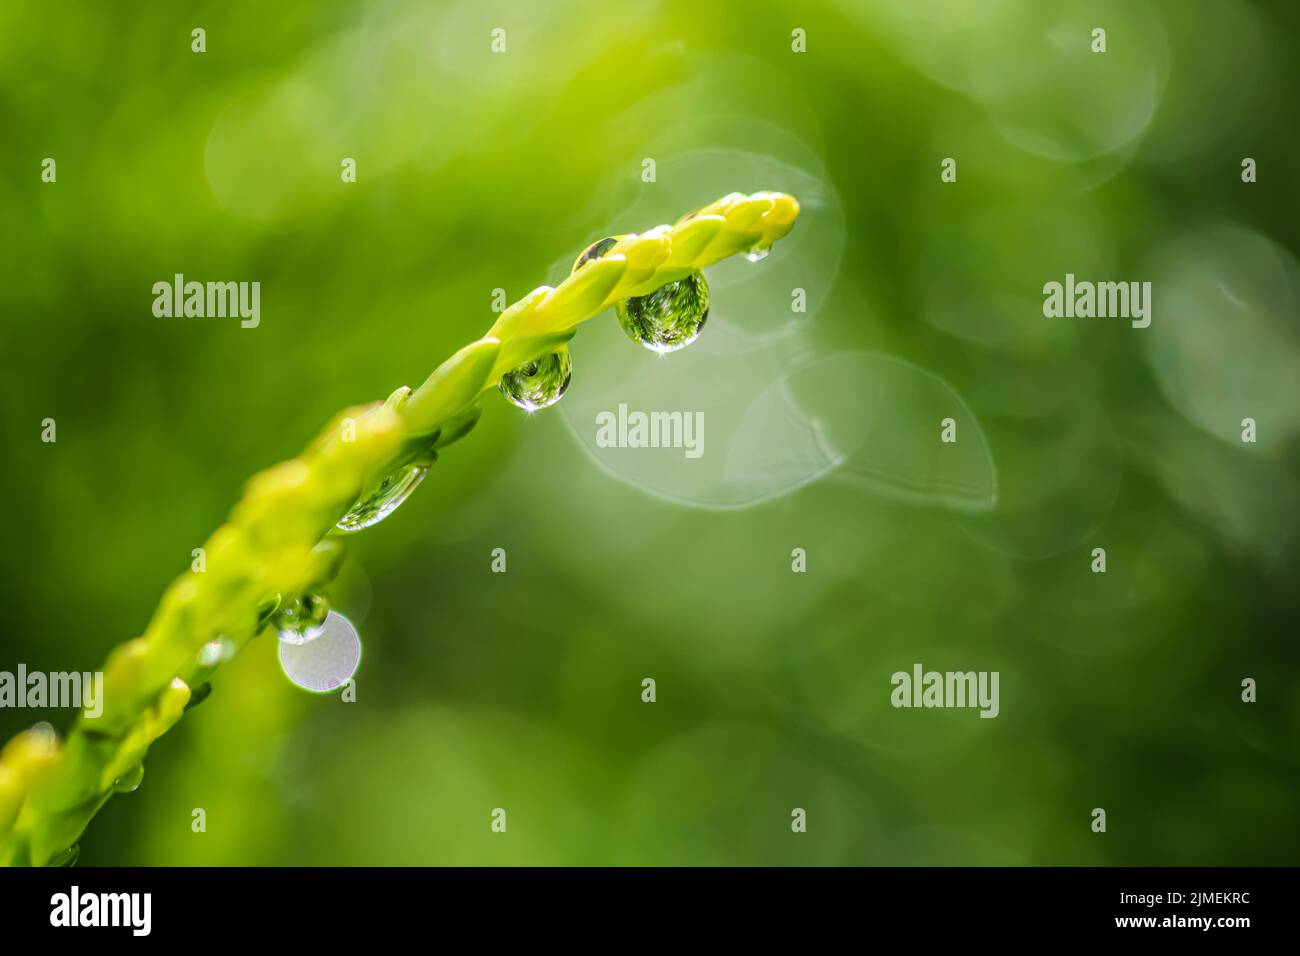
{"x": 216, "y": 652}
{"x": 399, "y": 397}
{"x": 384, "y": 498}
{"x": 129, "y": 782}
{"x": 328, "y": 662}
{"x": 669, "y": 318}
{"x": 68, "y": 857}
{"x": 758, "y": 253}
{"x": 539, "y": 384}
{"x": 594, "y": 251}
{"x": 302, "y": 620}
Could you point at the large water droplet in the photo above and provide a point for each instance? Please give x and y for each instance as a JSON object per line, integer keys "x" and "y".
{"x": 301, "y": 621}
{"x": 130, "y": 781}
{"x": 384, "y": 498}
{"x": 68, "y": 857}
{"x": 539, "y": 384}
{"x": 328, "y": 662}
{"x": 758, "y": 253}
{"x": 669, "y": 318}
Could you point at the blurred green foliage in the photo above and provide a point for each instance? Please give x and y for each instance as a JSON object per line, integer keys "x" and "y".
{"x": 479, "y": 171}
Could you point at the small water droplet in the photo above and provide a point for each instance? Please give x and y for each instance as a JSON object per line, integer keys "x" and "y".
{"x": 326, "y": 663}
{"x": 129, "y": 782}
{"x": 266, "y": 609}
{"x": 216, "y": 652}
{"x": 594, "y": 251}
{"x": 758, "y": 253}
{"x": 68, "y": 857}
{"x": 539, "y": 384}
{"x": 399, "y": 397}
{"x": 384, "y": 498}
{"x": 302, "y": 620}
{"x": 669, "y": 318}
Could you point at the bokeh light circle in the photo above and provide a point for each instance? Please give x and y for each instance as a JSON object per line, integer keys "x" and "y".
{"x": 326, "y": 663}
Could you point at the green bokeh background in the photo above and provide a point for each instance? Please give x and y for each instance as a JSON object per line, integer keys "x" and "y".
{"x": 480, "y": 171}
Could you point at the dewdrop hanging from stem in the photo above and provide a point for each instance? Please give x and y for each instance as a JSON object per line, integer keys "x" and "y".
{"x": 665, "y": 320}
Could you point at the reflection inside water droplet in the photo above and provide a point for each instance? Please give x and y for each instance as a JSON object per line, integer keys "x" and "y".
{"x": 326, "y": 663}
{"x": 594, "y": 251}
{"x": 302, "y": 620}
{"x": 384, "y": 498}
{"x": 539, "y": 384}
{"x": 669, "y": 318}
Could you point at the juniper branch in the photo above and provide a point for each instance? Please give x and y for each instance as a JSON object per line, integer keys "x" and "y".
{"x": 277, "y": 543}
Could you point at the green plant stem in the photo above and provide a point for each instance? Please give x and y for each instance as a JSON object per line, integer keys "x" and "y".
{"x": 278, "y": 541}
